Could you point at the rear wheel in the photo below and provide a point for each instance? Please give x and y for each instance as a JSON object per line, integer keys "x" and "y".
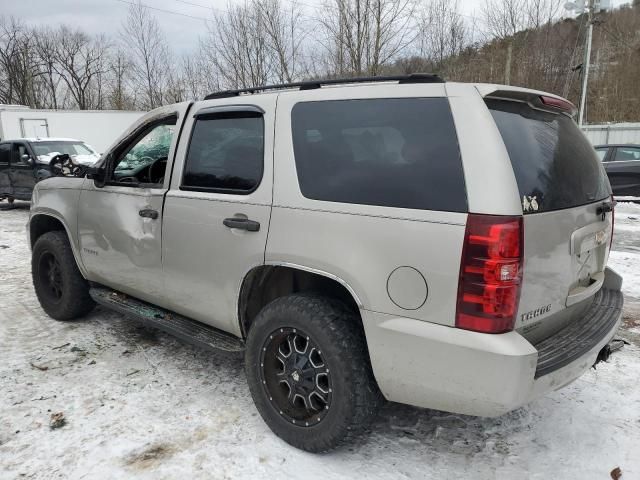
{"x": 62, "y": 291}
{"x": 308, "y": 370}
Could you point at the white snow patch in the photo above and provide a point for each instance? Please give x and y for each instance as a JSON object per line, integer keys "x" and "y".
{"x": 627, "y": 264}
{"x": 142, "y": 405}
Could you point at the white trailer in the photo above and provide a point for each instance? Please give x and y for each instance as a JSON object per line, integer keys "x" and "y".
{"x": 98, "y": 128}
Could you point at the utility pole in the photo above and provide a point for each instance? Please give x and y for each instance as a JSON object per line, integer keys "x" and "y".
{"x": 507, "y": 67}
{"x": 590, "y": 7}
{"x": 587, "y": 60}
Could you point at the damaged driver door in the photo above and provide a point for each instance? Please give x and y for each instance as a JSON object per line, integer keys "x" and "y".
{"x": 120, "y": 215}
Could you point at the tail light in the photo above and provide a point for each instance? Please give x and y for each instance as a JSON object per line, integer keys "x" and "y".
{"x": 490, "y": 273}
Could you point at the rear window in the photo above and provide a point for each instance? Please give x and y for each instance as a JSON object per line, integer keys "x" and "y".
{"x": 399, "y": 152}
{"x": 555, "y": 165}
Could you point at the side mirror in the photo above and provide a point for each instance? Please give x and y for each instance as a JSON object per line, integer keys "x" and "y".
{"x": 27, "y": 159}
{"x": 97, "y": 174}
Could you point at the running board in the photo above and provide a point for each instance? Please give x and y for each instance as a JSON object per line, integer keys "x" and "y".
{"x": 184, "y": 328}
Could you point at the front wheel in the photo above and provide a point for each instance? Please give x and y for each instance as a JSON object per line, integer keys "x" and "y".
{"x": 308, "y": 371}
{"x": 62, "y": 291}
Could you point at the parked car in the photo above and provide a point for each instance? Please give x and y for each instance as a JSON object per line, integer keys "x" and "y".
{"x": 26, "y": 161}
{"x": 437, "y": 244}
{"x": 622, "y": 163}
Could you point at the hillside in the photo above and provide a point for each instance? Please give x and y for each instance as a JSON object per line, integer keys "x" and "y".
{"x": 550, "y": 58}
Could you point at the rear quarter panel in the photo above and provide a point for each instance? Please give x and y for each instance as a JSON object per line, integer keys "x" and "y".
{"x": 491, "y": 183}
{"x": 362, "y": 244}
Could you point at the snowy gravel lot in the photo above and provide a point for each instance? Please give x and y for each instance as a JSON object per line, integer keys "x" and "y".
{"x": 139, "y": 404}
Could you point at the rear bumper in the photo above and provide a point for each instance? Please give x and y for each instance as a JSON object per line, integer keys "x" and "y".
{"x": 444, "y": 368}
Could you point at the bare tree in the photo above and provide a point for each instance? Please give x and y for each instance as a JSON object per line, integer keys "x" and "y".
{"x": 285, "y": 36}
{"x": 504, "y": 18}
{"x": 542, "y": 12}
{"x": 361, "y": 36}
{"x": 237, "y": 46}
{"x": 80, "y": 62}
{"x": 199, "y": 75}
{"x": 45, "y": 48}
{"x": 16, "y": 63}
{"x": 442, "y": 31}
{"x": 149, "y": 53}
{"x": 119, "y": 95}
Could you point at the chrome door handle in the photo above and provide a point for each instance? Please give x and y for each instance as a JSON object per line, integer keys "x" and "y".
{"x": 148, "y": 213}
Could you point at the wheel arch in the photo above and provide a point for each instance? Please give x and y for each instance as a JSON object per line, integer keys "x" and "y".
{"x": 265, "y": 283}
{"x": 41, "y": 223}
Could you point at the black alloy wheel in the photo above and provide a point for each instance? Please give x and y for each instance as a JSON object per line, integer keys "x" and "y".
{"x": 295, "y": 376}
{"x": 309, "y": 373}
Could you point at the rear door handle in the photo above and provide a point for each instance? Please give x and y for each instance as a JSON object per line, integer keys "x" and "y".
{"x": 148, "y": 213}
{"x": 242, "y": 224}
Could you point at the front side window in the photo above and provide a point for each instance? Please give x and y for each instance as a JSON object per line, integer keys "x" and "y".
{"x": 20, "y": 156}
{"x": 395, "y": 152}
{"x": 627, "y": 154}
{"x": 145, "y": 161}
{"x": 226, "y": 153}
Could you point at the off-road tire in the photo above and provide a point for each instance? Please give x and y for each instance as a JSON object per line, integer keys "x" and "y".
{"x": 74, "y": 300}
{"x": 338, "y": 334}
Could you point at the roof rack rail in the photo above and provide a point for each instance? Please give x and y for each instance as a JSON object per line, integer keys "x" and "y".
{"x": 313, "y": 84}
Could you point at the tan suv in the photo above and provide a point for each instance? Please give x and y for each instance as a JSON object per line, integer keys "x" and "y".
{"x": 437, "y": 244}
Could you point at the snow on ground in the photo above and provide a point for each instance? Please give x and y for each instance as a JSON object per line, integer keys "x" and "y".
{"x": 139, "y": 404}
{"x": 625, "y": 259}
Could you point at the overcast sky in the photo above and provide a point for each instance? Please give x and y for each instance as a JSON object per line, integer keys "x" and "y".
{"x": 182, "y": 27}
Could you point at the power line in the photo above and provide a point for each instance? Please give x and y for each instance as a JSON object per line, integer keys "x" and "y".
{"x": 210, "y": 7}
{"x": 163, "y": 10}
{"x": 196, "y": 4}
{"x": 569, "y": 79}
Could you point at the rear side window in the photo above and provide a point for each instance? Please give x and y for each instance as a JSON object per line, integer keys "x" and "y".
{"x": 627, "y": 154}
{"x": 398, "y": 152}
{"x": 226, "y": 153}
{"x": 554, "y": 164}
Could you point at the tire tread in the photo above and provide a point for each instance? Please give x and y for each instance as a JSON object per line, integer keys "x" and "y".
{"x": 76, "y": 301}
{"x": 343, "y": 325}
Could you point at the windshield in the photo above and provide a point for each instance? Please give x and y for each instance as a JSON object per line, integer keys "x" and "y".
{"x": 70, "y": 148}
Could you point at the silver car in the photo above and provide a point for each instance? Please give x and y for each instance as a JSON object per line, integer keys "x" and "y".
{"x": 437, "y": 244}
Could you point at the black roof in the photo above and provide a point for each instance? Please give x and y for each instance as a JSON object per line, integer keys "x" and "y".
{"x": 313, "y": 84}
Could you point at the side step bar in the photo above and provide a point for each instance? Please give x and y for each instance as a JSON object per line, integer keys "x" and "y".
{"x": 181, "y": 327}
